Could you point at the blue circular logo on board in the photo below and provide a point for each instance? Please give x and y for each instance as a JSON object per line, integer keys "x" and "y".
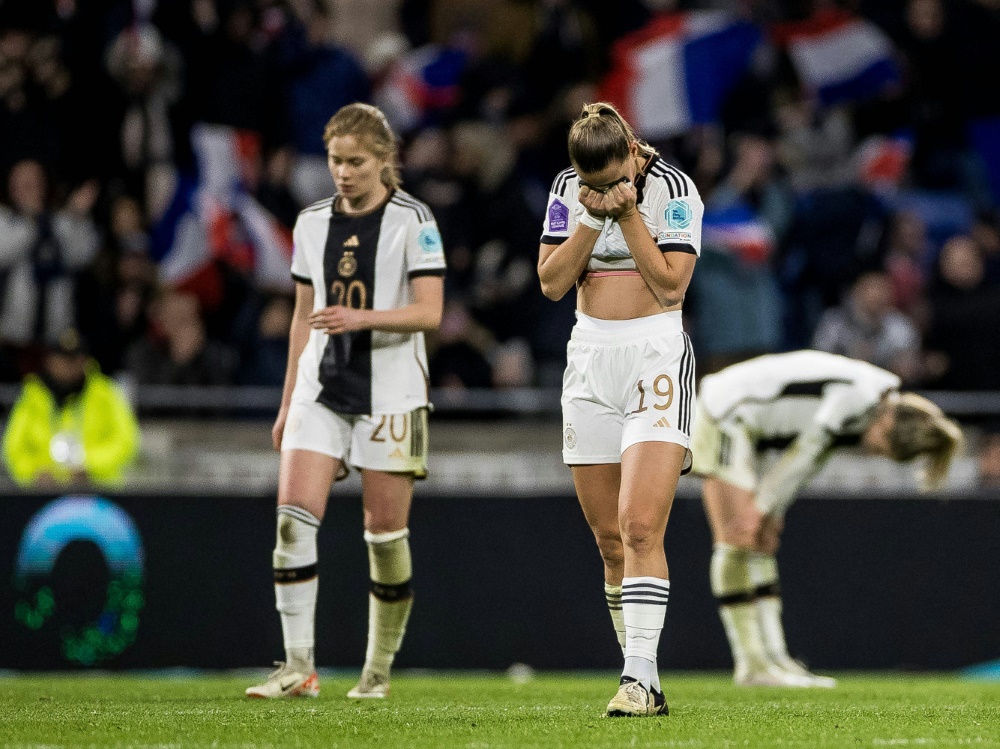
{"x": 112, "y": 531}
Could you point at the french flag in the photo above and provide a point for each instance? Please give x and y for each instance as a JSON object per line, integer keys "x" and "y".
{"x": 215, "y": 217}
{"x": 739, "y": 231}
{"x": 838, "y": 56}
{"x": 676, "y": 71}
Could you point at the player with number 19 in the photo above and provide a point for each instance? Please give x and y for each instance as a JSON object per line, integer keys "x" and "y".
{"x": 624, "y": 227}
{"x": 368, "y": 265}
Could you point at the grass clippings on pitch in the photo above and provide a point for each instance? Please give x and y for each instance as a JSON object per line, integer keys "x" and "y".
{"x": 483, "y": 712}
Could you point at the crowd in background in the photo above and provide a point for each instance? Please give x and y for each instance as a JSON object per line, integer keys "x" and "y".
{"x": 155, "y": 155}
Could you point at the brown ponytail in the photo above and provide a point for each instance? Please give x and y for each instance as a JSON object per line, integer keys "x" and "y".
{"x": 600, "y": 136}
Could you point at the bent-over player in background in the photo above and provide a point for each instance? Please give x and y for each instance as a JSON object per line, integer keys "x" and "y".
{"x": 807, "y": 403}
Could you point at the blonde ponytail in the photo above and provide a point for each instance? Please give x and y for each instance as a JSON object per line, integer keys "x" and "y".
{"x": 920, "y": 428}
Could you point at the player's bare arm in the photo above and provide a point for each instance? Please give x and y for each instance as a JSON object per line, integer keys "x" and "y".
{"x": 297, "y": 339}
{"x": 561, "y": 265}
{"x": 421, "y": 315}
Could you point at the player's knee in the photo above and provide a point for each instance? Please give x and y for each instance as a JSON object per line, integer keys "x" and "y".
{"x": 609, "y": 543}
{"x": 641, "y": 535}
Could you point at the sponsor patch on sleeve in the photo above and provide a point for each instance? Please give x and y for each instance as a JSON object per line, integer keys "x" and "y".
{"x": 678, "y": 214}
{"x": 675, "y": 236}
{"x": 429, "y": 240}
{"x": 558, "y": 216}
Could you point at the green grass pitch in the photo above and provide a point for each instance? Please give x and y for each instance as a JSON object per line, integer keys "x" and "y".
{"x": 482, "y": 712}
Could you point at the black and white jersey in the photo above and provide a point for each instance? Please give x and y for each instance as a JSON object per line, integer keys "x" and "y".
{"x": 777, "y": 397}
{"x": 365, "y": 262}
{"x": 667, "y": 200}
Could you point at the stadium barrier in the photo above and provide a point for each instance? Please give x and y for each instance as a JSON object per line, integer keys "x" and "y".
{"x": 185, "y": 581}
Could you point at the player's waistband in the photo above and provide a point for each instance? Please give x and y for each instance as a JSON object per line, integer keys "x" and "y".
{"x": 609, "y": 332}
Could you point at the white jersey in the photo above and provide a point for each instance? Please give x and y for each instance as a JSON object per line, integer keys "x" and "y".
{"x": 667, "y": 200}
{"x": 365, "y": 262}
{"x": 777, "y": 397}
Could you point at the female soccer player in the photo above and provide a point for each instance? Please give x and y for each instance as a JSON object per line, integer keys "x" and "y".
{"x": 808, "y": 403}
{"x": 625, "y": 227}
{"x": 369, "y": 267}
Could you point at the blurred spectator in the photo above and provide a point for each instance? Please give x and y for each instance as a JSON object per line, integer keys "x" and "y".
{"x": 458, "y": 351}
{"x": 322, "y": 78}
{"x": 113, "y": 293}
{"x": 867, "y": 327}
{"x": 70, "y": 424}
{"x": 963, "y": 321}
{"x": 177, "y": 349}
{"x": 146, "y": 70}
{"x": 985, "y": 232}
{"x": 40, "y": 249}
{"x": 907, "y": 255}
{"x": 267, "y": 356}
{"x": 736, "y": 301}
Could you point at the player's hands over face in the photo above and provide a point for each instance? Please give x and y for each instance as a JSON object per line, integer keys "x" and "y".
{"x": 619, "y": 201}
{"x": 337, "y": 319}
{"x": 593, "y": 201}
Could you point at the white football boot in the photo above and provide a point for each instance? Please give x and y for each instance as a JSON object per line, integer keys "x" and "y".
{"x": 768, "y": 675}
{"x": 370, "y": 686}
{"x": 286, "y": 682}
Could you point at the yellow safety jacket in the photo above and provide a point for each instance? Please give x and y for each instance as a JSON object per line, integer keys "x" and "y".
{"x": 99, "y": 417}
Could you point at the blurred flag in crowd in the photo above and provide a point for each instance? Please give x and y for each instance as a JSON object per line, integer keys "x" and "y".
{"x": 421, "y": 85}
{"x": 839, "y": 56}
{"x": 215, "y": 217}
{"x": 676, "y": 71}
{"x": 739, "y": 231}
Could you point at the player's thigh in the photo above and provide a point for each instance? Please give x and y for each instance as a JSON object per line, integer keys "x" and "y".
{"x": 387, "y": 499}
{"x": 391, "y": 451}
{"x": 313, "y": 447}
{"x": 650, "y": 471}
{"x": 597, "y": 488}
{"x": 304, "y": 480}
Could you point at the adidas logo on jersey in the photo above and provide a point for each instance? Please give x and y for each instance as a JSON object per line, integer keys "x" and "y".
{"x": 352, "y": 241}
{"x": 397, "y": 453}
{"x": 662, "y": 423}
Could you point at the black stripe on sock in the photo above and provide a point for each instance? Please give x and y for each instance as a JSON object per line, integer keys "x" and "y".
{"x": 299, "y": 514}
{"x": 646, "y": 592}
{"x": 736, "y": 598}
{"x": 628, "y": 586}
{"x": 770, "y": 590}
{"x": 283, "y": 576}
{"x": 654, "y": 601}
{"x": 391, "y": 593}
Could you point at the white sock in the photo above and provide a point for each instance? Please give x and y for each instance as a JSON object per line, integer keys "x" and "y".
{"x": 391, "y": 599}
{"x": 296, "y": 583}
{"x": 613, "y": 595}
{"x": 733, "y": 590}
{"x": 644, "y": 606}
{"x": 764, "y": 576}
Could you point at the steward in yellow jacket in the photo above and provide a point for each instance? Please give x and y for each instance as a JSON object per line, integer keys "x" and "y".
{"x": 70, "y": 423}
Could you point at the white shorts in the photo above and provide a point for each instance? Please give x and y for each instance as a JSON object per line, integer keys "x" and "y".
{"x": 626, "y": 381}
{"x": 395, "y": 443}
{"x": 723, "y": 450}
